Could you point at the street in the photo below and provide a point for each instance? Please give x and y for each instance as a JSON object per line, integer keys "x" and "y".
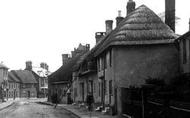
{"x": 31, "y": 109}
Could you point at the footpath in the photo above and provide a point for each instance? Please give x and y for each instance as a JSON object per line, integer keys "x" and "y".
{"x": 81, "y": 112}
{"x": 4, "y": 105}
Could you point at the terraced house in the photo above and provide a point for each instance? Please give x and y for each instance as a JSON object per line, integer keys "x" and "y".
{"x": 60, "y": 81}
{"x": 141, "y": 46}
{"x": 132, "y": 66}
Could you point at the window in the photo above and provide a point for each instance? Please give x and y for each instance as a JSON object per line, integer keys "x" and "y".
{"x": 99, "y": 89}
{"x": 98, "y": 63}
{"x": 94, "y": 88}
{"x": 105, "y": 87}
{"x": 105, "y": 61}
{"x": 110, "y": 87}
{"x": 110, "y": 58}
{"x": 101, "y": 64}
{"x": 184, "y": 52}
{"x": 90, "y": 84}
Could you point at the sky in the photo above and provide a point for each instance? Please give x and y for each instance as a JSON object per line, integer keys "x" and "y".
{"x": 42, "y": 30}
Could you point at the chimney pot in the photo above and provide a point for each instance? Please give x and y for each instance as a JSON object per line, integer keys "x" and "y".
{"x": 119, "y": 18}
{"x": 87, "y": 47}
{"x": 65, "y": 58}
{"x": 28, "y": 65}
{"x": 99, "y": 35}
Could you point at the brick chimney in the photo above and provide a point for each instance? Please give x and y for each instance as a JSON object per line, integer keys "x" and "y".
{"x": 65, "y": 58}
{"x": 109, "y": 25}
{"x": 170, "y": 13}
{"x": 99, "y": 36}
{"x": 28, "y": 65}
{"x": 119, "y": 18}
{"x": 130, "y": 6}
{"x": 87, "y": 47}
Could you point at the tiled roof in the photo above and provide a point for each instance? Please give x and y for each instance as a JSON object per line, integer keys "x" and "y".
{"x": 24, "y": 76}
{"x": 12, "y": 77}
{"x": 64, "y": 73}
{"x": 142, "y": 26}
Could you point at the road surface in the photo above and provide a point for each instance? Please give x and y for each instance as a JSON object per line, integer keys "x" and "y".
{"x": 31, "y": 109}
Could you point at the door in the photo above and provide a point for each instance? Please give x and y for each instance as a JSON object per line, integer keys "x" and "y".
{"x": 28, "y": 94}
{"x": 82, "y": 90}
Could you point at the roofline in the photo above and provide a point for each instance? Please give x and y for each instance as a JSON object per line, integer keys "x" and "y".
{"x": 134, "y": 43}
{"x": 183, "y": 36}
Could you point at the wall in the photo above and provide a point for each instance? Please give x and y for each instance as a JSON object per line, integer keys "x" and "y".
{"x": 13, "y": 90}
{"x": 77, "y": 89}
{"x": 28, "y": 90}
{"x": 134, "y": 64}
{"x": 185, "y": 66}
{"x": 138, "y": 63}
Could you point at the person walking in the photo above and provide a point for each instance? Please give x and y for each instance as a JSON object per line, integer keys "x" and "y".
{"x": 90, "y": 101}
{"x": 54, "y": 99}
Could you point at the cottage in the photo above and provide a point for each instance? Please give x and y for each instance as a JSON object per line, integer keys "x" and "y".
{"x": 28, "y": 83}
{"x": 60, "y": 81}
{"x": 140, "y": 47}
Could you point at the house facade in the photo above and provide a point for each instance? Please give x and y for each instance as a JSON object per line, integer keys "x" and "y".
{"x": 3, "y": 80}
{"x": 28, "y": 83}
{"x": 137, "y": 49}
{"x": 141, "y": 46}
{"x": 13, "y": 87}
{"x": 184, "y": 50}
{"x": 60, "y": 81}
{"x": 85, "y": 80}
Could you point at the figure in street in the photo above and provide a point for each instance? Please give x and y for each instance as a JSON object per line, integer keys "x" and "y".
{"x": 55, "y": 99}
{"x": 90, "y": 101}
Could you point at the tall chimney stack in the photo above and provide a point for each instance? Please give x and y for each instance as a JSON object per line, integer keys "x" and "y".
{"x": 99, "y": 36}
{"x": 119, "y": 18}
{"x": 130, "y": 6}
{"x": 170, "y": 13}
{"x": 28, "y": 65}
{"x": 109, "y": 25}
{"x": 65, "y": 58}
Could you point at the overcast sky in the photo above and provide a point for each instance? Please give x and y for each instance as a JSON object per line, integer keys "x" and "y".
{"x": 42, "y": 30}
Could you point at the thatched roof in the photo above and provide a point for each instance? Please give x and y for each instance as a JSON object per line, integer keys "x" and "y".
{"x": 12, "y": 77}
{"x": 64, "y": 73}
{"x": 142, "y": 26}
